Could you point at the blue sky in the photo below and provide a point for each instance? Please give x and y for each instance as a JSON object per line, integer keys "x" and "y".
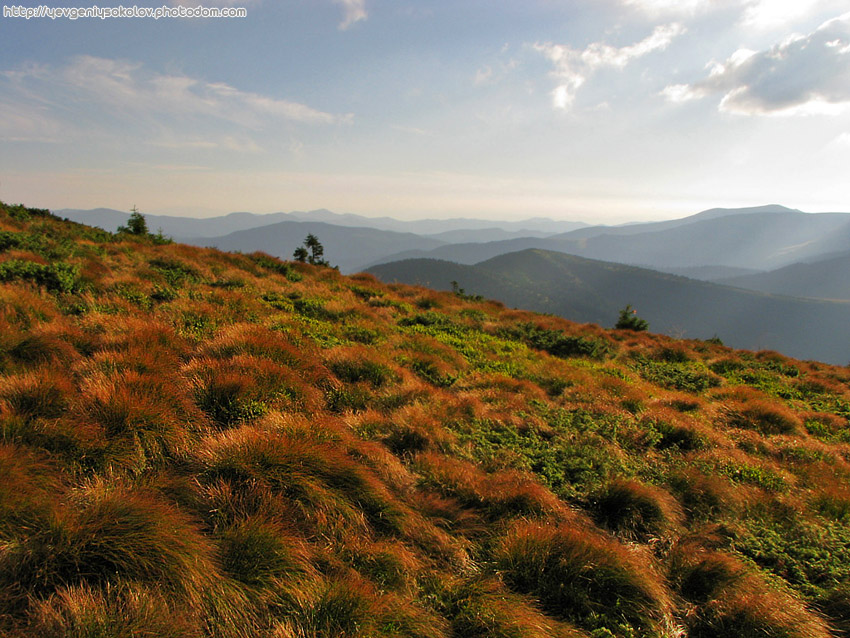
{"x": 595, "y": 110}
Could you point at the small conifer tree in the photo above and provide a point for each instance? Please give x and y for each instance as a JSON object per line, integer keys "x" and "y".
{"x": 314, "y": 255}
{"x": 629, "y": 320}
{"x": 136, "y": 225}
{"x": 300, "y": 254}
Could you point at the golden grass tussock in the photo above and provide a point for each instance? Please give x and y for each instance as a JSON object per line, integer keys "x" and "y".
{"x": 500, "y": 495}
{"x": 483, "y": 607}
{"x": 584, "y": 578}
{"x": 752, "y": 610}
{"x": 44, "y": 393}
{"x": 706, "y": 496}
{"x": 125, "y": 609}
{"x": 141, "y": 416}
{"x": 101, "y": 534}
{"x": 324, "y": 485}
{"x": 765, "y": 417}
{"x": 29, "y": 485}
{"x": 636, "y": 510}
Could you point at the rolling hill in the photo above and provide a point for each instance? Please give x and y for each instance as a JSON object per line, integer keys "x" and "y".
{"x": 593, "y": 291}
{"x": 822, "y": 279}
{"x": 197, "y": 444}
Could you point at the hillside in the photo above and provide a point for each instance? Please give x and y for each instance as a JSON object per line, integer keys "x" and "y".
{"x": 593, "y": 291}
{"x": 821, "y": 279}
{"x": 195, "y": 443}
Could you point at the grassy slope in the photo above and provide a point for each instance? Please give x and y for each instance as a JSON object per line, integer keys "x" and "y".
{"x": 197, "y": 444}
{"x": 587, "y": 290}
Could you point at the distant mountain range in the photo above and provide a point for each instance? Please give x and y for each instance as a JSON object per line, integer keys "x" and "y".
{"x": 741, "y": 274}
{"x": 756, "y": 239}
{"x": 592, "y": 291}
{"x": 457, "y": 229}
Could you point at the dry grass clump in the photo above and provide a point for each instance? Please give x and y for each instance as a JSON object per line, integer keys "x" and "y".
{"x": 706, "y": 496}
{"x": 243, "y": 388}
{"x": 765, "y": 417}
{"x": 142, "y": 417}
{"x": 584, "y": 578}
{"x": 103, "y": 535}
{"x": 28, "y": 486}
{"x": 499, "y": 495}
{"x": 746, "y": 612}
{"x": 122, "y": 610}
{"x": 485, "y": 608}
{"x": 729, "y": 599}
{"x": 636, "y": 510}
{"x": 256, "y": 472}
{"x": 41, "y": 394}
{"x": 260, "y": 554}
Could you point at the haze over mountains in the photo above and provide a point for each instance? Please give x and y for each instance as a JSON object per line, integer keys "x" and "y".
{"x": 758, "y": 278}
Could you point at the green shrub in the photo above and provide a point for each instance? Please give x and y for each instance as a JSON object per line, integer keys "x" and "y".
{"x": 276, "y": 265}
{"x": 556, "y": 342}
{"x": 176, "y": 273}
{"x": 56, "y": 277}
{"x": 9, "y": 240}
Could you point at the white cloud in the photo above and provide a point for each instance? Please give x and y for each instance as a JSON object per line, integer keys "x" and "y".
{"x": 802, "y": 75}
{"x": 573, "y": 67}
{"x": 768, "y": 14}
{"x": 355, "y": 11}
{"x": 678, "y": 93}
{"x": 655, "y": 7}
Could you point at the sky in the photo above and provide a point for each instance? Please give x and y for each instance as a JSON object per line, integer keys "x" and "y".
{"x": 603, "y": 111}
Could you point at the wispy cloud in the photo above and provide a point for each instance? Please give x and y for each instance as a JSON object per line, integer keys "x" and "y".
{"x": 801, "y": 75}
{"x": 355, "y": 11}
{"x": 43, "y": 103}
{"x": 29, "y": 123}
{"x": 573, "y": 67}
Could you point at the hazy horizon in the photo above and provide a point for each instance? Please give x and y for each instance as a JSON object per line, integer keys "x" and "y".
{"x": 602, "y": 111}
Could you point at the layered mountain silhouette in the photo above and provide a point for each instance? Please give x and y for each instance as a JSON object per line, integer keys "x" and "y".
{"x": 592, "y": 291}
